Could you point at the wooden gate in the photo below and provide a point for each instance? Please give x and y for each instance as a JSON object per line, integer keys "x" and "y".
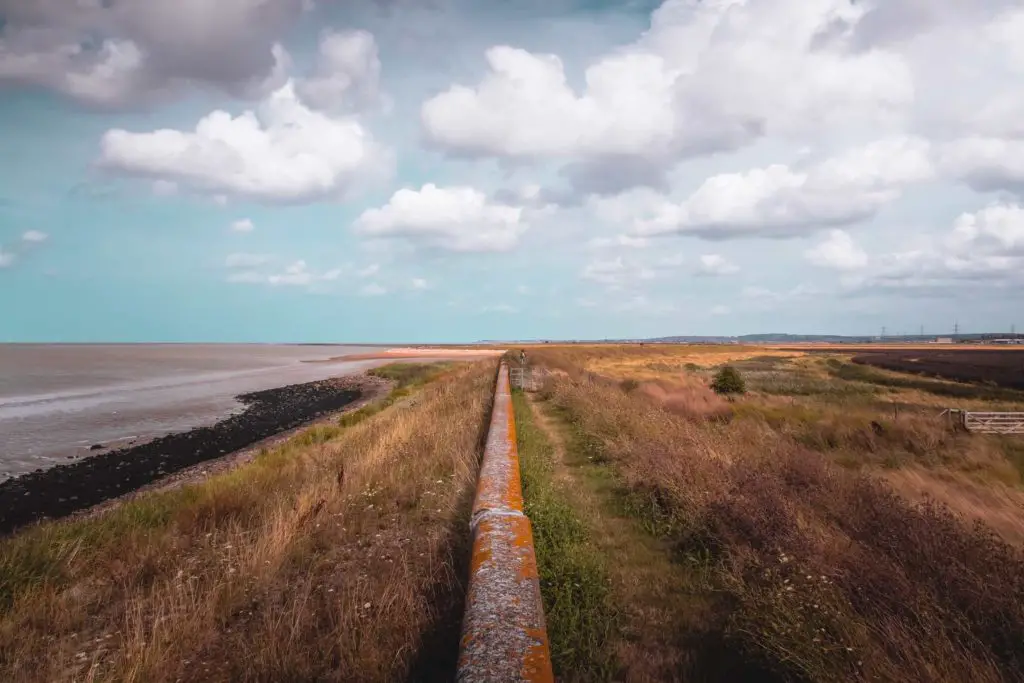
{"x": 989, "y": 423}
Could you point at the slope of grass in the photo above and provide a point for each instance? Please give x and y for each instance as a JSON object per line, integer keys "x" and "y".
{"x": 330, "y": 557}
{"x": 574, "y": 583}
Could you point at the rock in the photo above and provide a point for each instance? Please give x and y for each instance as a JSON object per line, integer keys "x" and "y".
{"x": 96, "y": 447}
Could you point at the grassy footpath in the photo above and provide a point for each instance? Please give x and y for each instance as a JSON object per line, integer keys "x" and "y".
{"x": 334, "y": 556}
{"x": 573, "y": 579}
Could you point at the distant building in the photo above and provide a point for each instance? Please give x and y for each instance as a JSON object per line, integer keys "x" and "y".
{"x": 943, "y": 340}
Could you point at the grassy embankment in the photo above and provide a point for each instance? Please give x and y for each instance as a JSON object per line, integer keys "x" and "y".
{"x": 784, "y": 519}
{"x": 334, "y": 556}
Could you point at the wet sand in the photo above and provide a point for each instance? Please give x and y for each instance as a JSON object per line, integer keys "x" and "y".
{"x": 64, "y": 489}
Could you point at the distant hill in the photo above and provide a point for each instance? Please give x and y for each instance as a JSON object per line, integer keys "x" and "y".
{"x": 767, "y": 338}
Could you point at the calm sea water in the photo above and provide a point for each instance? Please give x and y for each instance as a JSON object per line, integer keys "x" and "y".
{"x": 57, "y": 400}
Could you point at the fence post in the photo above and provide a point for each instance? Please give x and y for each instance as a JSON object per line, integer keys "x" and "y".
{"x": 504, "y": 637}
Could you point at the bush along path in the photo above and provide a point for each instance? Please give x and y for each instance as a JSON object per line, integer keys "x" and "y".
{"x": 613, "y": 597}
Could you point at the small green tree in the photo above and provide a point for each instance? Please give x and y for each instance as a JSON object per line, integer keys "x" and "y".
{"x": 728, "y": 380}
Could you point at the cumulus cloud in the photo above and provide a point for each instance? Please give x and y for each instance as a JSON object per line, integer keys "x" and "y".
{"x": 716, "y": 264}
{"x": 983, "y": 249}
{"x": 452, "y": 218}
{"x": 779, "y": 201}
{"x": 124, "y": 52}
{"x": 838, "y": 251}
{"x": 243, "y": 225}
{"x": 419, "y": 283}
{"x": 987, "y": 164}
{"x": 347, "y": 72}
{"x": 6, "y": 258}
{"x": 281, "y": 152}
{"x": 673, "y": 93}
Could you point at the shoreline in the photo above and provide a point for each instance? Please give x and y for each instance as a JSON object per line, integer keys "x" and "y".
{"x": 426, "y": 353}
{"x": 79, "y": 486}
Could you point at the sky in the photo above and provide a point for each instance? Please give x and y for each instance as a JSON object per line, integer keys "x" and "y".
{"x": 459, "y": 170}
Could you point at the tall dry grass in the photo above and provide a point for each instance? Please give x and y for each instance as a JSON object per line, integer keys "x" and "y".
{"x": 333, "y": 557}
{"x": 823, "y": 573}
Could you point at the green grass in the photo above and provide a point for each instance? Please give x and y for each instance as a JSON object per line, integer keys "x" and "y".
{"x": 407, "y": 378}
{"x": 410, "y": 374}
{"x": 573, "y": 579}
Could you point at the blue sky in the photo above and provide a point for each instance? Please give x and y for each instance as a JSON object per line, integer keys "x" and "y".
{"x": 305, "y": 170}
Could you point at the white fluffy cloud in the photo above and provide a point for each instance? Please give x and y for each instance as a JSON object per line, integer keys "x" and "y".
{"x": 243, "y": 225}
{"x": 716, "y": 264}
{"x": 116, "y": 53}
{"x": 674, "y": 92}
{"x": 6, "y": 258}
{"x": 987, "y": 164}
{"x": 983, "y": 249}
{"x": 281, "y": 152}
{"x": 451, "y": 218}
{"x": 838, "y": 251}
{"x": 525, "y": 108}
{"x": 347, "y": 72}
{"x": 779, "y": 201}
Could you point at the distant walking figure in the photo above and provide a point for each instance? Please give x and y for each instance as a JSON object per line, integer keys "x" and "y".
{"x": 522, "y": 357}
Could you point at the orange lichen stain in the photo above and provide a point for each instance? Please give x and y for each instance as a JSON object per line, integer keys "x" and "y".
{"x": 537, "y": 660}
{"x": 481, "y": 547}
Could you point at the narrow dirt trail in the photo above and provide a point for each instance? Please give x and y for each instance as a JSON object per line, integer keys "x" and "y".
{"x": 649, "y": 591}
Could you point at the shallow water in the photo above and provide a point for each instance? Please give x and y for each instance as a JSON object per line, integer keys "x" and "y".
{"x": 58, "y": 400}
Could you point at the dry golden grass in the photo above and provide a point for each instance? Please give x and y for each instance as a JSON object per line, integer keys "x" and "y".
{"x": 332, "y": 557}
{"x": 821, "y": 572}
{"x": 999, "y": 506}
{"x": 658, "y": 361}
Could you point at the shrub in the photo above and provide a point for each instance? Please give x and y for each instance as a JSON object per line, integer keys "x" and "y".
{"x": 628, "y": 385}
{"x": 728, "y": 381}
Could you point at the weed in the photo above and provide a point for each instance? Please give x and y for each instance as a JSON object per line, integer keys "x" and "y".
{"x": 574, "y": 583}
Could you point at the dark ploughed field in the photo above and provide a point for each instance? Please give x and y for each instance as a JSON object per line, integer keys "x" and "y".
{"x": 65, "y": 489}
{"x": 1004, "y": 368}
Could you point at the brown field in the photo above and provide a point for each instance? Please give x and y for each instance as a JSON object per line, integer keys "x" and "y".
{"x": 827, "y": 525}
{"x": 994, "y": 366}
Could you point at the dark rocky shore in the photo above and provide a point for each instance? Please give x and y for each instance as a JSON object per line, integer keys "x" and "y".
{"x": 64, "y": 489}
